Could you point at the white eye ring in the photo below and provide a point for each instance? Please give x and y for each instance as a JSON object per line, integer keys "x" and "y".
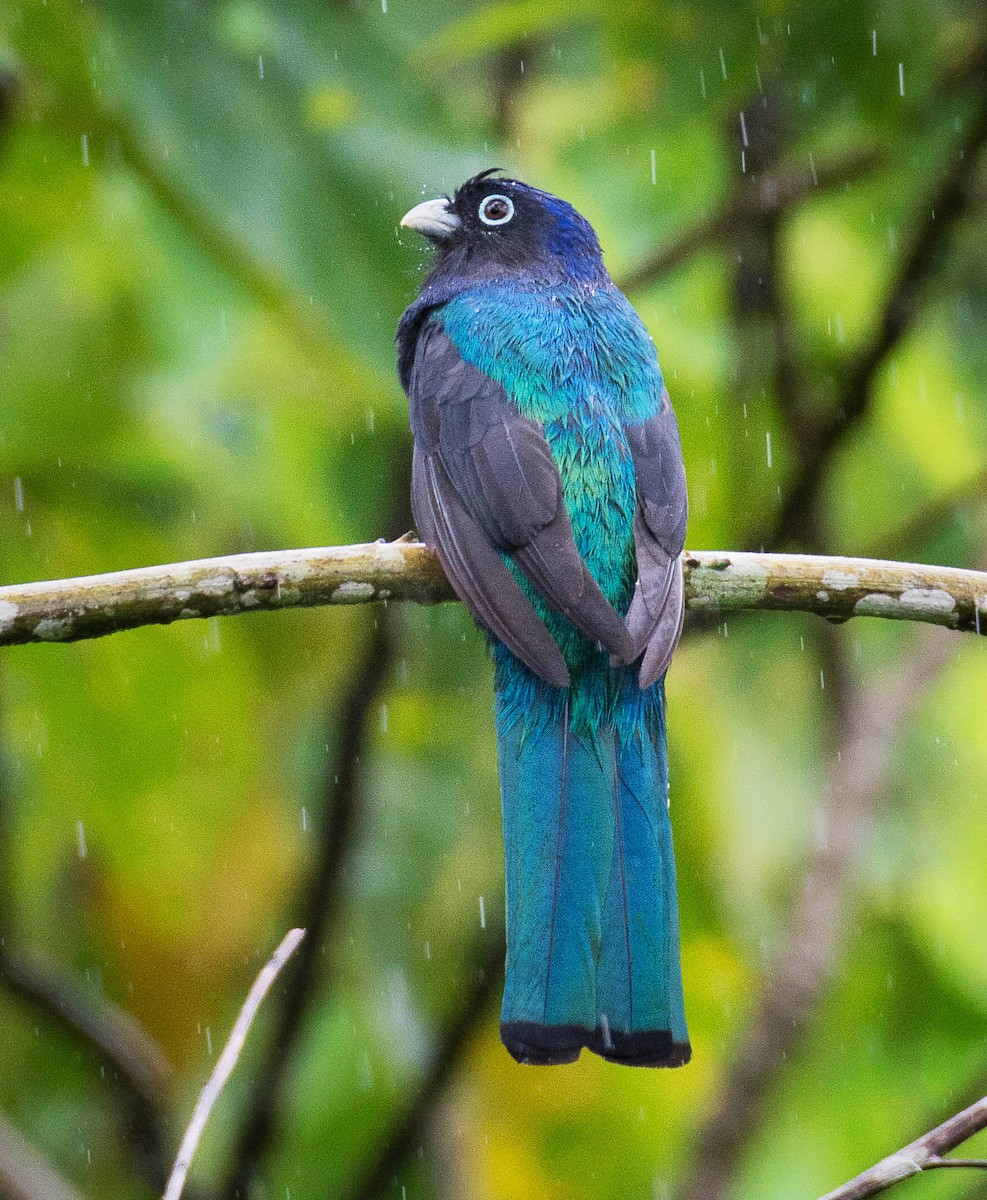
{"x": 496, "y": 220}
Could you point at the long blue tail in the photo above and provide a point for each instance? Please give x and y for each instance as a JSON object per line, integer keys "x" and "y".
{"x": 592, "y": 913}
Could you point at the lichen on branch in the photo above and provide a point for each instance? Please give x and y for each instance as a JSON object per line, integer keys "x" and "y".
{"x": 68, "y": 610}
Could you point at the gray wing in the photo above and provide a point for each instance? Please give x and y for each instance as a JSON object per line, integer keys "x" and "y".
{"x": 654, "y": 619}
{"x": 484, "y": 484}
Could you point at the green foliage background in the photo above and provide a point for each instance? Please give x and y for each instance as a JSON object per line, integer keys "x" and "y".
{"x": 200, "y": 277}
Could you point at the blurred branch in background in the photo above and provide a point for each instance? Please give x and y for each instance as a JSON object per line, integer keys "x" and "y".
{"x": 27, "y": 1175}
{"x": 924, "y": 1154}
{"x": 823, "y": 432}
{"x": 485, "y": 968}
{"x": 136, "y": 1064}
{"x": 865, "y": 724}
{"x": 929, "y": 521}
{"x": 755, "y": 198}
{"x": 317, "y": 905}
{"x": 837, "y": 588}
{"x": 258, "y": 280}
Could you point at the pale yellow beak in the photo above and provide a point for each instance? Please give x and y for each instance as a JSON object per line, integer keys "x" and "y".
{"x": 433, "y": 218}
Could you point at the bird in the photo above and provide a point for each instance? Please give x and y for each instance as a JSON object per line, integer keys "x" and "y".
{"x": 548, "y": 478}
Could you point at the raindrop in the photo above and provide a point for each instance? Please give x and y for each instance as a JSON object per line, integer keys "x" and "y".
{"x": 80, "y": 835}
{"x": 428, "y": 951}
{"x": 383, "y": 718}
{"x": 260, "y": 66}
{"x": 723, "y": 63}
{"x": 18, "y": 493}
{"x": 209, "y": 1040}
{"x": 654, "y": 170}
{"x": 85, "y": 149}
{"x": 873, "y": 42}
{"x": 483, "y": 915}
{"x": 304, "y": 819}
{"x": 743, "y": 129}
{"x": 822, "y": 680}
{"x": 605, "y": 1027}
{"x": 383, "y": 7}
{"x": 702, "y": 82}
{"x": 901, "y": 79}
{"x": 767, "y": 444}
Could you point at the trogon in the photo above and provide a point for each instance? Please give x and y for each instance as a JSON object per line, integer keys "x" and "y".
{"x": 548, "y": 479}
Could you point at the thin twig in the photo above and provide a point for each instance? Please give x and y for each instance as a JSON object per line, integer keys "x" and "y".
{"x": 227, "y": 1061}
{"x": 318, "y": 906}
{"x": 68, "y": 610}
{"x": 865, "y": 728}
{"x": 924, "y": 1154}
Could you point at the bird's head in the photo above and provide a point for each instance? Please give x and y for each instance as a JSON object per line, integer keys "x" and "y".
{"x": 493, "y": 227}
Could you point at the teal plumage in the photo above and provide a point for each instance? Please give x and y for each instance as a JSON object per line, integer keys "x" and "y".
{"x": 548, "y": 477}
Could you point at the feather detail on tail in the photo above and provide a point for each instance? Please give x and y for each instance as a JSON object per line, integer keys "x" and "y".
{"x": 592, "y": 915}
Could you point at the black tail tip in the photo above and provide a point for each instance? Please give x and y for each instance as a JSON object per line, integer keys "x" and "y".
{"x": 539, "y": 1045}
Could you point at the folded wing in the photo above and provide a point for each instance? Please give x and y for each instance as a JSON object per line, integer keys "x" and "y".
{"x": 654, "y": 619}
{"x": 484, "y": 485}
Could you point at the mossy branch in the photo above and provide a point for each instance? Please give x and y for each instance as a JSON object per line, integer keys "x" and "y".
{"x": 69, "y": 610}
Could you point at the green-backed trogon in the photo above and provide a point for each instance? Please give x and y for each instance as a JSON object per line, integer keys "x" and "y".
{"x": 548, "y": 478}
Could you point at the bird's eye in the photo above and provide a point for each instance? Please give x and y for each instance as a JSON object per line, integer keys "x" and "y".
{"x": 496, "y": 210}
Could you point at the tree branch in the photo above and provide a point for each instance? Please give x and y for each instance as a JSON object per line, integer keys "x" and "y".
{"x": 924, "y": 1154}
{"x": 69, "y": 610}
